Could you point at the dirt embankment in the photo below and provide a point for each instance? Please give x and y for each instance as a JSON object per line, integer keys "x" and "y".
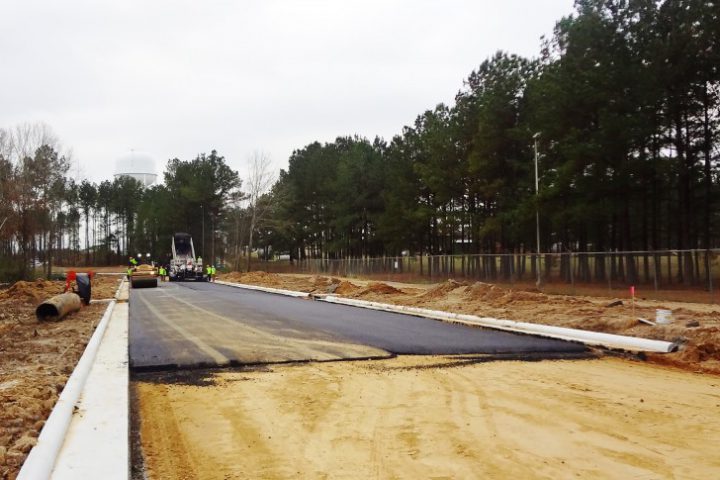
{"x": 432, "y": 417}
{"x": 696, "y": 326}
{"x": 36, "y": 359}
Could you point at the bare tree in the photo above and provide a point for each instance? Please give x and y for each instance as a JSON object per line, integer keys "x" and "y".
{"x": 22, "y": 141}
{"x": 259, "y": 182}
{"x": 33, "y": 173}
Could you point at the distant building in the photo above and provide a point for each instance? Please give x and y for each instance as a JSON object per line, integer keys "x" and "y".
{"x": 138, "y": 165}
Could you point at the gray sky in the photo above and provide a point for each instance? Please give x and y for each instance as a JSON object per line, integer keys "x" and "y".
{"x": 176, "y": 78}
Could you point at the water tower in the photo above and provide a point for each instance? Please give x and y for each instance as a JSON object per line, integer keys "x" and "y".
{"x": 138, "y": 165}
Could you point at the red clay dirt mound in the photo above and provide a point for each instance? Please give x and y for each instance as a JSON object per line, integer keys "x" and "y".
{"x": 379, "y": 288}
{"x": 484, "y": 291}
{"x": 347, "y": 288}
{"x": 495, "y": 295}
{"x": 257, "y": 278}
{"x": 31, "y": 292}
{"x": 442, "y": 289}
{"x": 700, "y": 353}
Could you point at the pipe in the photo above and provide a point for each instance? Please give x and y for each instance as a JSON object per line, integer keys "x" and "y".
{"x": 607, "y": 340}
{"x": 55, "y": 308}
{"x": 41, "y": 460}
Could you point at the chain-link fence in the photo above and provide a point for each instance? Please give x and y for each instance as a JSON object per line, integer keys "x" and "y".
{"x": 656, "y": 270}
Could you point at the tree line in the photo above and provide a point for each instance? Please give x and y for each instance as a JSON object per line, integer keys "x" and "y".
{"x": 623, "y": 105}
{"x": 48, "y": 218}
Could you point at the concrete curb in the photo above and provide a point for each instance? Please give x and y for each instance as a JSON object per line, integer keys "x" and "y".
{"x": 72, "y": 442}
{"x": 289, "y": 293}
{"x": 100, "y": 424}
{"x": 607, "y": 340}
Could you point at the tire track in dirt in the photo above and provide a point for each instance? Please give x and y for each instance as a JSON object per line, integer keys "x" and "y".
{"x": 421, "y": 417}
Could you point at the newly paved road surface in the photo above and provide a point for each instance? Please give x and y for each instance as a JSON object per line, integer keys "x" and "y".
{"x": 202, "y": 324}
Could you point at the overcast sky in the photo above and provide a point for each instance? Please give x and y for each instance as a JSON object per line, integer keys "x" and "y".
{"x": 176, "y": 78}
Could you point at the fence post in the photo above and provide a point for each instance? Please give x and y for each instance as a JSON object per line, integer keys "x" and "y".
{"x": 655, "y": 270}
{"x": 608, "y": 272}
{"x": 708, "y": 271}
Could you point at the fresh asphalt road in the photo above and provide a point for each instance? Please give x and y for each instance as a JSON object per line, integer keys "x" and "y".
{"x": 200, "y": 324}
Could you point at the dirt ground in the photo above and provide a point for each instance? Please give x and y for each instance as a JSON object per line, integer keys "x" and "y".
{"x": 696, "y": 326}
{"x": 432, "y": 417}
{"x": 36, "y": 359}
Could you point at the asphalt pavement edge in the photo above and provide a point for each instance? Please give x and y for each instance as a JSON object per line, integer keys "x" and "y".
{"x": 598, "y": 339}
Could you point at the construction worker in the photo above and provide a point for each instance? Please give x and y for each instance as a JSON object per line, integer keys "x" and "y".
{"x": 129, "y": 272}
{"x": 208, "y": 271}
{"x": 161, "y": 272}
{"x": 132, "y": 262}
{"x": 212, "y": 272}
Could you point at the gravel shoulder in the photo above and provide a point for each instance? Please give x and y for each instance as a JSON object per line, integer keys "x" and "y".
{"x": 432, "y": 417}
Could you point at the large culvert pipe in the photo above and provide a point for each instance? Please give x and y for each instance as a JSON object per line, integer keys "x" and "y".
{"x": 57, "y": 307}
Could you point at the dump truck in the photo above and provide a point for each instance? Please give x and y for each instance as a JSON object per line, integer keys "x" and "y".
{"x": 184, "y": 265}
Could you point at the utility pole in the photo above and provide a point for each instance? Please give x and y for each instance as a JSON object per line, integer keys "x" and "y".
{"x": 212, "y": 240}
{"x": 537, "y": 214}
{"x": 202, "y": 215}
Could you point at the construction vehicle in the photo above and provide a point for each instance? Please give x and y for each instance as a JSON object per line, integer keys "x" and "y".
{"x": 144, "y": 275}
{"x": 184, "y": 265}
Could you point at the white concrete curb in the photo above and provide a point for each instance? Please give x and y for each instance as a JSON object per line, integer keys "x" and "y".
{"x": 608, "y": 340}
{"x": 100, "y": 424}
{"x": 289, "y": 293}
{"x": 44, "y": 456}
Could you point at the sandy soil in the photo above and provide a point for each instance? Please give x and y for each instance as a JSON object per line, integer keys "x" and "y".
{"x": 696, "y": 325}
{"x": 36, "y": 358}
{"x": 433, "y": 417}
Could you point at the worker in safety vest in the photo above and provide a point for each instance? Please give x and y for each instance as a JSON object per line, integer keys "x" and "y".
{"x": 129, "y": 272}
{"x": 161, "y": 272}
{"x": 208, "y": 272}
{"x": 132, "y": 262}
{"x": 212, "y": 272}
